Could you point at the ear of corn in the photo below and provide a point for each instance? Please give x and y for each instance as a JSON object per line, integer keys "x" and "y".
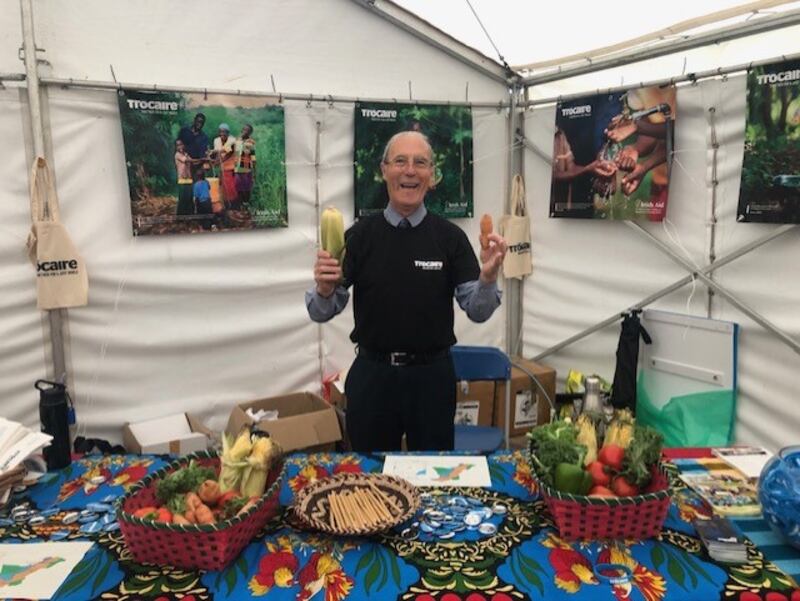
{"x": 332, "y": 232}
{"x": 620, "y": 430}
{"x": 254, "y": 478}
{"x": 587, "y": 437}
{"x": 233, "y": 461}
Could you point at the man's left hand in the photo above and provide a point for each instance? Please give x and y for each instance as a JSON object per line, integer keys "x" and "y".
{"x": 492, "y": 258}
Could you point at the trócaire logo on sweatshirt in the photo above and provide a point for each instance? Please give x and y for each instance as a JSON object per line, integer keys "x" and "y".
{"x": 429, "y": 265}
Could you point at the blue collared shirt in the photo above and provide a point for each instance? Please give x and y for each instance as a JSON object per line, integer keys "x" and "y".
{"x": 478, "y": 300}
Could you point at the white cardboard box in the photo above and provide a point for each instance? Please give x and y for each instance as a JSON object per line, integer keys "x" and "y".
{"x": 177, "y": 434}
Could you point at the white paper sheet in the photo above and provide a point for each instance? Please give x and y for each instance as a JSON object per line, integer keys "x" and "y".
{"x": 440, "y": 470}
{"x": 36, "y": 570}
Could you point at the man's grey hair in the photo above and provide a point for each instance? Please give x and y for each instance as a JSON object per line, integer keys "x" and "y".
{"x": 406, "y": 133}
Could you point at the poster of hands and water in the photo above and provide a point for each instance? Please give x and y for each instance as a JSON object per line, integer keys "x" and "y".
{"x": 203, "y": 162}
{"x": 610, "y": 155}
{"x": 770, "y": 190}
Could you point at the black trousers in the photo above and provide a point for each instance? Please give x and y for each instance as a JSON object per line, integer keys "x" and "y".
{"x": 384, "y": 402}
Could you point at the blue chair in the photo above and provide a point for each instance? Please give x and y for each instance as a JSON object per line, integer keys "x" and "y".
{"x": 482, "y": 363}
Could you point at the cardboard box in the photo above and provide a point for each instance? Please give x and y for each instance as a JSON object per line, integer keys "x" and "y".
{"x": 475, "y": 402}
{"x": 338, "y": 399}
{"x": 528, "y": 405}
{"x": 305, "y": 421}
{"x": 178, "y": 434}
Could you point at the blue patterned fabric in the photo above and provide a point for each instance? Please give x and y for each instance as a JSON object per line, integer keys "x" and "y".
{"x": 523, "y": 559}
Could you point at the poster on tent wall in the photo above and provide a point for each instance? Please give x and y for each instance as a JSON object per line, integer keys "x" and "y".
{"x": 203, "y": 162}
{"x": 449, "y": 129}
{"x": 610, "y": 155}
{"x": 770, "y": 188}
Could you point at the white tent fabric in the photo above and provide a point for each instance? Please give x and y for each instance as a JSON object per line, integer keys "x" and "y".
{"x": 586, "y": 271}
{"x": 23, "y": 347}
{"x": 198, "y": 323}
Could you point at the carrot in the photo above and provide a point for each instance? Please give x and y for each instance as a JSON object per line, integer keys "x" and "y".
{"x": 179, "y": 519}
{"x": 204, "y": 515}
{"x": 192, "y": 501}
{"x": 190, "y": 516}
{"x": 486, "y": 229}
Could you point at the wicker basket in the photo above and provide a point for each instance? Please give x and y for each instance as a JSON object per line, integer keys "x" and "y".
{"x": 580, "y": 517}
{"x": 312, "y": 503}
{"x": 193, "y": 546}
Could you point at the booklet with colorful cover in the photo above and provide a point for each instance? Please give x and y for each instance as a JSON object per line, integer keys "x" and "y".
{"x": 721, "y": 539}
{"x": 748, "y": 460}
{"x": 727, "y": 491}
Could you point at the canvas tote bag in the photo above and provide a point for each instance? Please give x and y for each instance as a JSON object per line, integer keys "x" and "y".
{"x": 516, "y": 229}
{"x": 61, "y": 279}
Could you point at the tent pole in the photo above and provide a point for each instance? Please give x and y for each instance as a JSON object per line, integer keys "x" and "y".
{"x": 55, "y": 317}
{"x": 656, "y": 83}
{"x": 636, "y": 55}
{"x": 513, "y": 286}
{"x": 721, "y": 290}
{"x": 742, "y": 250}
{"x": 276, "y": 96}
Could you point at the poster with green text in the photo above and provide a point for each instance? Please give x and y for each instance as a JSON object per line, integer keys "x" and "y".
{"x": 770, "y": 190}
{"x": 449, "y": 130}
{"x": 203, "y": 162}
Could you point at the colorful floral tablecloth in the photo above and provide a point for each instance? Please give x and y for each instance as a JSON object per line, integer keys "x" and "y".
{"x": 524, "y": 559}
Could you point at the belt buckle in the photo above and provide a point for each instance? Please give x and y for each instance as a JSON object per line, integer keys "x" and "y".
{"x": 398, "y": 359}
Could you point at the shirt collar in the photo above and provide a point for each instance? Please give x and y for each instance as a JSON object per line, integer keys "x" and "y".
{"x": 394, "y": 218}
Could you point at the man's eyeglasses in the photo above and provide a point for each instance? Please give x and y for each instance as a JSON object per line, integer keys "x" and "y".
{"x": 402, "y": 162}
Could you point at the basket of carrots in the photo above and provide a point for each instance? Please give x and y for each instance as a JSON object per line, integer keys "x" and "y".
{"x": 614, "y": 490}
{"x": 200, "y": 511}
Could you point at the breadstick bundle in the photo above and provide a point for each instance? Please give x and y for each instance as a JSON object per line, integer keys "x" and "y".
{"x": 360, "y": 508}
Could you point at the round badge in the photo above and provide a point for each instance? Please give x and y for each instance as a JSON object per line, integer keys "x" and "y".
{"x": 487, "y": 528}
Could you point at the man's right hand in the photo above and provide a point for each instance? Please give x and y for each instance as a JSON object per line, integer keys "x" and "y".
{"x": 327, "y": 273}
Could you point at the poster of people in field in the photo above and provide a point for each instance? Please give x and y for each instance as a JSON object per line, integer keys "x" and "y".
{"x": 203, "y": 162}
{"x": 449, "y": 130}
{"x": 610, "y": 155}
{"x": 770, "y": 190}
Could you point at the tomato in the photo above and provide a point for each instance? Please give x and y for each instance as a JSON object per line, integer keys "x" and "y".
{"x": 231, "y": 494}
{"x": 611, "y": 455}
{"x": 624, "y": 488}
{"x": 601, "y": 491}
{"x": 598, "y": 473}
{"x": 164, "y": 515}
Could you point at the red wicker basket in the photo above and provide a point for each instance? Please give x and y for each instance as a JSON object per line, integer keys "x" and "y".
{"x": 579, "y": 517}
{"x": 193, "y": 546}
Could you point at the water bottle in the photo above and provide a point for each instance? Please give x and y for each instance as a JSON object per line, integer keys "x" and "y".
{"x": 54, "y": 418}
{"x": 591, "y": 399}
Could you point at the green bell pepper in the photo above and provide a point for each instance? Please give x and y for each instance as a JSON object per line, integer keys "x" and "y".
{"x": 573, "y": 479}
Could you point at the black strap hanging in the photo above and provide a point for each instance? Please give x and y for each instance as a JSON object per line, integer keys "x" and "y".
{"x": 623, "y": 393}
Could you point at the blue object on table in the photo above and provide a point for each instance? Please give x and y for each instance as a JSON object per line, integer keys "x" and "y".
{"x": 779, "y": 494}
{"x": 482, "y": 363}
{"x": 478, "y": 438}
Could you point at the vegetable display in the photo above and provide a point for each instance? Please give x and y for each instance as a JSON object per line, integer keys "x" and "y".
{"x": 196, "y": 495}
{"x": 566, "y": 457}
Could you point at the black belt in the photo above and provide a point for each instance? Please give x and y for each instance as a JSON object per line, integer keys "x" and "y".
{"x": 401, "y": 359}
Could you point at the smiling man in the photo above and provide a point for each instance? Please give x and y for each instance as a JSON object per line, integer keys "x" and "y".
{"x": 405, "y": 266}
